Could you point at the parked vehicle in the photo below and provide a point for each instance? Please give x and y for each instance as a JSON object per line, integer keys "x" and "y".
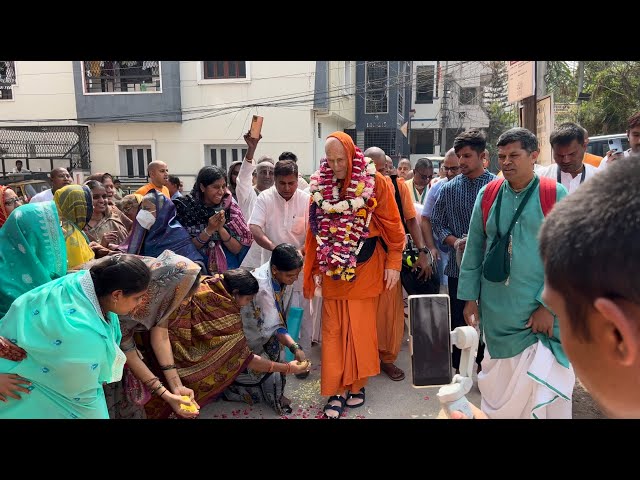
{"x": 26, "y": 185}
{"x": 28, "y": 188}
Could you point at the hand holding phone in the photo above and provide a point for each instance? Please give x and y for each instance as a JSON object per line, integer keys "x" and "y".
{"x": 256, "y": 127}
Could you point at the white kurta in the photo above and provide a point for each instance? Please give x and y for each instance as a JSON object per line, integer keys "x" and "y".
{"x": 282, "y": 221}
{"x": 285, "y": 222}
{"x": 570, "y": 183}
{"x": 45, "y": 196}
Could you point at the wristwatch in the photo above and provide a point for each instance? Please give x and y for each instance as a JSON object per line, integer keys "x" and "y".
{"x": 293, "y": 348}
{"x": 424, "y": 250}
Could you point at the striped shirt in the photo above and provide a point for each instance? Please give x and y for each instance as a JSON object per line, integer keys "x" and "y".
{"x": 452, "y": 212}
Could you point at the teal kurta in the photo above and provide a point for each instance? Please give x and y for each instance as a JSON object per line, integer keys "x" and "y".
{"x": 505, "y": 308}
{"x": 71, "y": 350}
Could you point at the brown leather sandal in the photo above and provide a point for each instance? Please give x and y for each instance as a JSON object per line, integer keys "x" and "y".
{"x": 392, "y": 371}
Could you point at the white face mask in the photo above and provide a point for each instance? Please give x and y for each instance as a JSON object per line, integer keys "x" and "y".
{"x": 146, "y": 219}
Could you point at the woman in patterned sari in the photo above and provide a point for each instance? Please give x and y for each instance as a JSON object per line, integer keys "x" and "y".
{"x": 75, "y": 208}
{"x": 62, "y": 338}
{"x": 215, "y": 221}
{"x": 103, "y": 227}
{"x": 161, "y": 231}
{"x": 172, "y": 279}
{"x": 208, "y": 339}
{"x": 205, "y": 333}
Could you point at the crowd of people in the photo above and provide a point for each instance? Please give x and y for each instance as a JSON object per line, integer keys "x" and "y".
{"x": 154, "y": 303}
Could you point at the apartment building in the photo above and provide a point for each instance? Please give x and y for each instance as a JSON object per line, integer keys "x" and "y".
{"x": 185, "y": 113}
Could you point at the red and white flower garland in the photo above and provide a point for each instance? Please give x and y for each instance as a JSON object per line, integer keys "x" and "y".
{"x": 342, "y": 225}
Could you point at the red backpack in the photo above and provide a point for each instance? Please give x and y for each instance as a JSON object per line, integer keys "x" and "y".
{"x": 547, "y": 196}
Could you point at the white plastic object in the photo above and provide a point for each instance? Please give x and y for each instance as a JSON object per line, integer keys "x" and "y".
{"x": 452, "y": 396}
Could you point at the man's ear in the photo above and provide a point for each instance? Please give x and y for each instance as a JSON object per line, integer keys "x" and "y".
{"x": 618, "y": 330}
{"x": 535, "y": 154}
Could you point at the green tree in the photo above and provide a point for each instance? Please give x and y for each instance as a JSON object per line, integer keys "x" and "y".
{"x": 615, "y": 96}
{"x": 562, "y": 83}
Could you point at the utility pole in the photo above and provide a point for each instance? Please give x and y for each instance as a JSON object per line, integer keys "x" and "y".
{"x": 443, "y": 107}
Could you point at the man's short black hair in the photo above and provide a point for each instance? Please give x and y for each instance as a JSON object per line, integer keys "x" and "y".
{"x": 589, "y": 242}
{"x": 423, "y": 162}
{"x": 473, "y": 138}
{"x": 566, "y": 133}
{"x": 288, "y": 156}
{"x": 174, "y": 181}
{"x": 285, "y": 168}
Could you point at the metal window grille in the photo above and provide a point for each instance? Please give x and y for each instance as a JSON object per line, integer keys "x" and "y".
{"x": 49, "y": 144}
{"x": 377, "y": 87}
{"x": 384, "y": 138}
{"x": 7, "y": 79}
{"x": 106, "y": 76}
{"x": 425, "y": 83}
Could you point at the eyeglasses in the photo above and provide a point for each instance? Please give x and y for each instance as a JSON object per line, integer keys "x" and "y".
{"x": 422, "y": 175}
{"x": 452, "y": 169}
{"x": 13, "y": 201}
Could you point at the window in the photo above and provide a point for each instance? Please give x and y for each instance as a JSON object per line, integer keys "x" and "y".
{"x": 7, "y": 79}
{"x": 219, "y": 70}
{"x": 377, "y": 87}
{"x": 468, "y": 96}
{"x": 319, "y": 130}
{"x": 222, "y": 155}
{"x": 384, "y": 138}
{"x": 352, "y": 133}
{"x": 134, "y": 160}
{"x": 402, "y": 79}
{"x": 105, "y": 76}
{"x": 422, "y": 141}
{"x": 424, "y": 83}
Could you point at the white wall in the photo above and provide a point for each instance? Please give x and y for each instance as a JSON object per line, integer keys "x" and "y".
{"x": 289, "y": 127}
{"x": 469, "y": 74}
{"x": 43, "y": 90}
{"x": 342, "y": 87}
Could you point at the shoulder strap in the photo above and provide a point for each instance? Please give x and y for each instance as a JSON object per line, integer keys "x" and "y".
{"x": 394, "y": 180}
{"x": 547, "y": 194}
{"x": 490, "y": 193}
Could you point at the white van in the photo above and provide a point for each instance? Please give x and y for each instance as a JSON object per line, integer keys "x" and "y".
{"x": 601, "y": 144}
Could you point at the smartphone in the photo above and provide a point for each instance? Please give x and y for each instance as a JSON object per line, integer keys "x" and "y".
{"x": 256, "y": 126}
{"x": 430, "y": 339}
{"x": 615, "y": 144}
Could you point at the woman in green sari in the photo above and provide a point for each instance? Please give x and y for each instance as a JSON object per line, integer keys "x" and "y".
{"x": 32, "y": 251}
{"x": 69, "y": 334}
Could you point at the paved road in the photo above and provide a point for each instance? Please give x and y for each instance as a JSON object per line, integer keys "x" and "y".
{"x": 385, "y": 398}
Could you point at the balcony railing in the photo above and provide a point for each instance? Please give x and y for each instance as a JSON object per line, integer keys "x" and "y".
{"x": 122, "y": 76}
{"x": 7, "y": 79}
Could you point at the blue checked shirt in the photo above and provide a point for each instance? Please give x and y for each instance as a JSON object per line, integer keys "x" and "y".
{"x": 452, "y": 212}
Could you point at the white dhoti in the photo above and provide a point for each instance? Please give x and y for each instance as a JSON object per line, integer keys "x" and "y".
{"x": 530, "y": 385}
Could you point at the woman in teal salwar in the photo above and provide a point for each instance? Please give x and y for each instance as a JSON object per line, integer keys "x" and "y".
{"x": 70, "y": 332}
